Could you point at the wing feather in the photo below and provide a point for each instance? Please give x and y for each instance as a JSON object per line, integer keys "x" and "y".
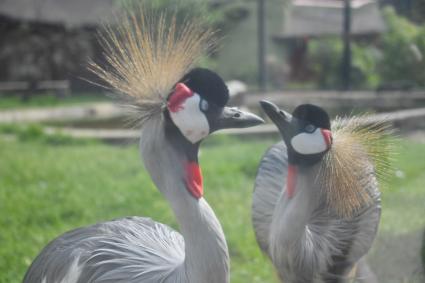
{"x": 271, "y": 176}
{"x": 132, "y": 249}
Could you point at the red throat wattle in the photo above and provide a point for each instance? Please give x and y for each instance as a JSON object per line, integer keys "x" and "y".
{"x": 327, "y": 135}
{"x": 291, "y": 180}
{"x": 194, "y": 179}
{"x": 178, "y": 97}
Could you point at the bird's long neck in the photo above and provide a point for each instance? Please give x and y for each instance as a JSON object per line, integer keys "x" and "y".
{"x": 292, "y": 214}
{"x": 206, "y": 252}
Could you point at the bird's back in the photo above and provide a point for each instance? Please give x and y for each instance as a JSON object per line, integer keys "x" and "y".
{"x": 269, "y": 184}
{"x": 132, "y": 249}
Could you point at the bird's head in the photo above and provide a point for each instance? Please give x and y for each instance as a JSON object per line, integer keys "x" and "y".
{"x": 197, "y": 106}
{"x": 306, "y": 132}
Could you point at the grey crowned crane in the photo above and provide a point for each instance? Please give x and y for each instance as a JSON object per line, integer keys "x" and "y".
{"x": 177, "y": 106}
{"x": 316, "y": 204}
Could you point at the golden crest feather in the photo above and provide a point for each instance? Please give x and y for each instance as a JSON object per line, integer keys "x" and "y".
{"x": 361, "y": 146}
{"x": 146, "y": 54}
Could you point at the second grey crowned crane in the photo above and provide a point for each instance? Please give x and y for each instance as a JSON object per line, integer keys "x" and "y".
{"x": 316, "y": 204}
{"x": 177, "y": 107}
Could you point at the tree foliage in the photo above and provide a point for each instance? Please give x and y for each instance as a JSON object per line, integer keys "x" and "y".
{"x": 403, "y": 47}
{"x": 396, "y": 60}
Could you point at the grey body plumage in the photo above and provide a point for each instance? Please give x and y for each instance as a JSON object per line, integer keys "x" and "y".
{"x": 132, "y": 249}
{"x": 327, "y": 247}
{"x": 316, "y": 204}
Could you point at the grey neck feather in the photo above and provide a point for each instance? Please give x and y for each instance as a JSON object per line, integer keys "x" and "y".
{"x": 289, "y": 232}
{"x": 206, "y": 252}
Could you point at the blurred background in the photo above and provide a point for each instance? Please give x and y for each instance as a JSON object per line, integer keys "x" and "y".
{"x": 69, "y": 159}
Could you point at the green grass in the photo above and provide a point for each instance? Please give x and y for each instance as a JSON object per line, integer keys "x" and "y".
{"x": 46, "y": 100}
{"x": 46, "y": 190}
{"x": 404, "y": 197}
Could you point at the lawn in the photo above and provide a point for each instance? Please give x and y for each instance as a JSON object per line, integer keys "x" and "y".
{"x": 48, "y": 188}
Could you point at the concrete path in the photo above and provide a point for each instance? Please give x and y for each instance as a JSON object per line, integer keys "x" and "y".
{"x": 407, "y": 122}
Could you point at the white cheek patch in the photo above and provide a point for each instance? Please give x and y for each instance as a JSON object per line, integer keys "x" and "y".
{"x": 309, "y": 143}
{"x": 190, "y": 120}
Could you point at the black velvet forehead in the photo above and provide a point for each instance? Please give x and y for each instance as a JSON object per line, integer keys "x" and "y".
{"x": 208, "y": 85}
{"x": 313, "y": 114}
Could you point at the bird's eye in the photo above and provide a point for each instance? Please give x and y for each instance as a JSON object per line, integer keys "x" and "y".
{"x": 310, "y": 128}
{"x": 203, "y": 105}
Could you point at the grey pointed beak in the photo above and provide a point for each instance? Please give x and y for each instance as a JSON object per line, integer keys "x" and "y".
{"x": 282, "y": 119}
{"x": 232, "y": 117}
{"x": 275, "y": 114}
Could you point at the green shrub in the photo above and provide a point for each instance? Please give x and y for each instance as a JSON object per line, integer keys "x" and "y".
{"x": 36, "y": 133}
{"x": 325, "y": 61}
{"x": 399, "y": 57}
{"x": 8, "y": 128}
{"x": 365, "y": 58}
{"x": 30, "y": 132}
{"x": 403, "y": 47}
{"x": 59, "y": 138}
